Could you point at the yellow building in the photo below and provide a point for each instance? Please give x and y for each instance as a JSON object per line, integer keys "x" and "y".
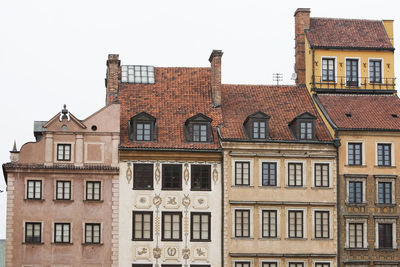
{"x": 348, "y": 68}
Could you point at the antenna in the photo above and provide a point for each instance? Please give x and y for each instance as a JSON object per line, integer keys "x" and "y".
{"x": 277, "y": 77}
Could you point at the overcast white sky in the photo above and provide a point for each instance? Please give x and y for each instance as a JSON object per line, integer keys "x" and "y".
{"x": 54, "y": 52}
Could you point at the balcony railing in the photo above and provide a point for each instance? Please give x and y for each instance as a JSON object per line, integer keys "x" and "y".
{"x": 344, "y": 84}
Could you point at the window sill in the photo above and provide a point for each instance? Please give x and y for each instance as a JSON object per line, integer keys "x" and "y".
{"x": 296, "y": 238}
{"x": 243, "y": 186}
{"x": 34, "y": 199}
{"x": 137, "y": 189}
{"x": 62, "y": 244}
{"x": 322, "y": 188}
{"x": 92, "y": 244}
{"x": 385, "y": 205}
{"x": 171, "y": 189}
{"x": 200, "y": 240}
{"x": 243, "y": 238}
{"x": 268, "y": 186}
{"x": 93, "y": 201}
{"x": 63, "y": 200}
{"x": 27, "y": 243}
{"x": 269, "y": 238}
{"x": 356, "y": 166}
{"x": 138, "y": 239}
{"x": 322, "y": 239}
{"x": 295, "y": 187}
{"x": 172, "y": 240}
{"x": 383, "y": 167}
{"x": 386, "y": 249}
{"x": 357, "y": 249}
{"x": 201, "y": 190}
{"x": 363, "y": 204}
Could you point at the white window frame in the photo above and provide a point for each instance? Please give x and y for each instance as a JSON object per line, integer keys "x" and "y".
{"x": 101, "y": 189}
{"x": 304, "y": 177}
{"x": 53, "y": 230}
{"x": 330, "y": 224}
{"x": 41, "y": 188}
{"x": 278, "y": 222}
{"x": 365, "y": 234}
{"x": 382, "y": 68}
{"x": 304, "y": 222}
{"x": 260, "y": 168}
{"x": 335, "y": 66}
{"x": 84, "y": 232}
{"x": 330, "y": 181}
{"x": 392, "y": 154}
{"x": 314, "y": 262}
{"x": 24, "y": 230}
{"x": 251, "y": 234}
{"x": 364, "y": 181}
{"x": 248, "y": 260}
{"x": 385, "y": 180}
{"x": 72, "y": 152}
{"x": 277, "y": 261}
{"x": 362, "y": 153}
{"x": 251, "y": 169}
{"x": 359, "y": 69}
{"x": 394, "y": 233}
{"x": 295, "y": 261}
{"x": 55, "y": 188}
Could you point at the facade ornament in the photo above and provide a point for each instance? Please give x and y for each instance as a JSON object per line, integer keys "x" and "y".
{"x": 157, "y": 173}
{"x": 186, "y": 173}
{"x": 129, "y": 173}
{"x": 215, "y": 173}
{"x": 186, "y": 253}
{"x": 157, "y": 253}
{"x": 157, "y": 200}
{"x": 186, "y": 201}
{"x": 171, "y": 251}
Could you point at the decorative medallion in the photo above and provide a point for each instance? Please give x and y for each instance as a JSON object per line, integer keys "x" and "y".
{"x": 215, "y": 173}
{"x": 171, "y": 202}
{"x": 186, "y": 253}
{"x": 157, "y": 174}
{"x": 200, "y": 202}
{"x": 186, "y": 173}
{"x": 200, "y": 253}
{"x": 186, "y": 201}
{"x": 129, "y": 173}
{"x": 157, "y": 200}
{"x": 157, "y": 253}
{"x": 171, "y": 253}
{"x": 142, "y": 252}
{"x": 143, "y": 201}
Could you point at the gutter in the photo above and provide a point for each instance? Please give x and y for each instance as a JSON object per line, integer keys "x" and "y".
{"x": 355, "y": 48}
{"x": 169, "y": 149}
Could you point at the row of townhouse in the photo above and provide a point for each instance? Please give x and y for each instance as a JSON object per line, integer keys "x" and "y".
{"x": 179, "y": 169}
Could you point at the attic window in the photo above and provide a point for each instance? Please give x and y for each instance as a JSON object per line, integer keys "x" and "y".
{"x": 198, "y": 129}
{"x": 137, "y": 74}
{"x": 142, "y": 127}
{"x": 303, "y": 126}
{"x": 257, "y": 126}
{"x": 348, "y": 115}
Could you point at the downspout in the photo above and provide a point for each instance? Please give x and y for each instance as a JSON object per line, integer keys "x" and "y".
{"x": 313, "y": 67}
{"x": 338, "y": 213}
{"x": 222, "y": 209}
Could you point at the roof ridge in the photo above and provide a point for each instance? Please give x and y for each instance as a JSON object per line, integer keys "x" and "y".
{"x": 353, "y": 19}
{"x": 265, "y": 85}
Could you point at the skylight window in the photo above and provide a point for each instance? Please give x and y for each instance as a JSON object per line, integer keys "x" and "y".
{"x": 137, "y": 74}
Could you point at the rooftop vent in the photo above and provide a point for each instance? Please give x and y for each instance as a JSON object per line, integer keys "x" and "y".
{"x": 348, "y": 115}
{"x": 394, "y": 115}
{"x": 137, "y": 74}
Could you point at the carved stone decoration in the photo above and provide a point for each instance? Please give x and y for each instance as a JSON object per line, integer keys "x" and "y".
{"x": 215, "y": 173}
{"x": 157, "y": 200}
{"x": 186, "y": 173}
{"x": 142, "y": 252}
{"x": 157, "y": 226}
{"x": 171, "y": 253}
{"x": 186, "y": 253}
{"x": 171, "y": 202}
{"x": 200, "y": 253}
{"x": 186, "y": 201}
{"x": 200, "y": 202}
{"x": 186, "y": 225}
{"x": 143, "y": 201}
{"x": 157, "y": 253}
{"x": 129, "y": 173}
{"x": 157, "y": 173}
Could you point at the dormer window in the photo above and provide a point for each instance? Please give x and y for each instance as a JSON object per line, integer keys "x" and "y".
{"x": 256, "y": 126}
{"x": 142, "y": 127}
{"x": 198, "y": 129}
{"x": 303, "y": 126}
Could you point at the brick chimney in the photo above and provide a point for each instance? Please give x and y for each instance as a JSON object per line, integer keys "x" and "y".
{"x": 113, "y": 64}
{"x": 302, "y": 23}
{"x": 215, "y": 60}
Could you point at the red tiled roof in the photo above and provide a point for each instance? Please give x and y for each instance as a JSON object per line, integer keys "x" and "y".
{"x": 348, "y": 33}
{"x": 177, "y": 94}
{"x": 281, "y": 103}
{"x": 366, "y": 111}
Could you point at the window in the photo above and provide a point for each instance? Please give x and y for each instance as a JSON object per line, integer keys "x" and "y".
{"x": 63, "y": 190}
{"x": 142, "y": 127}
{"x": 242, "y": 173}
{"x": 137, "y": 74}
{"x": 295, "y": 174}
{"x": 259, "y": 129}
{"x": 64, "y": 152}
{"x": 269, "y": 264}
{"x": 354, "y": 153}
{"x": 356, "y": 235}
{"x": 198, "y": 129}
{"x": 321, "y": 224}
{"x": 92, "y": 233}
{"x": 171, "y": 226}
{"x": 142, "y": 225}
{"x": 384, "y": 192}
{"x": 296, "y": 264}
{"x": 355, "y": 192}
{"x": 242, "y": 223}
{"x": 295, "y": 224}
{"x": 385, "y": 235}
{"x": 143, "y": 131}
{"x": 200, "y": 226}
{"x": 306, "y": 130}
{"x": 351, "y": 72}
{"x": 375, "y": 71}
{"x": 172, "y": 176}
{"x": 242, "y": 264}
{"x": 199, "y": 132}
{"x": 384, "y": 155}
{"x": 328, "y": 69}
{"x": 34, "y": 190}
{"x": 322, "y": 264}
{"x": 201, "y": 177}
{"x": 269, "y": 223}
{"x": 33, "y": 232}
{"x": 62, "y": 232}
{"x": 143, "y": 176}
{"x": 93, "y": 190}
{"x": 321, "y": 173}
{"x": 269, "y": 173}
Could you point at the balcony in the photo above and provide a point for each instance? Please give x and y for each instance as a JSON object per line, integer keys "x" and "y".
{"x": 343, "y": 84}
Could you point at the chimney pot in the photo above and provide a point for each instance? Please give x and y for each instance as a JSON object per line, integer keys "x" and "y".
{"x": 112, "y": 78}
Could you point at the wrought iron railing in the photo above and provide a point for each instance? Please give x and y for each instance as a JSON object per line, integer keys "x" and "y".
{"x": 353, "y": 83}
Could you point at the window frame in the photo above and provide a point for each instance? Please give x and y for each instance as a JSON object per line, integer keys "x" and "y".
{"x": 295, "y": 163}
{"x": 170, "y": 213}
{"x": 384, "y": 159}
{"x": 373, "y": 80}
{"x": 142, "y": 213}
{"x": 386, "y": 220}
{"x": 63, "y": 146}
{"x": 192, "y": 178}
{"x": 259, "y": 121}
{"x": 302, "y": 264}
{"x": 92, "y": 233}
{"x": 235, "y": 228}
{"x": 328, "y": 79}
{"x": 136, "y": 176}
{"x": 163, "y": 177}
{"x": 322, "y": 264}
{"x": 328, "y": 226}
{"x": 142, "y": 118}
{"x": 236, "y": 173}
{"x": 354, "y": 162}
{"x": 267, "y": 263}
{"x": 352, "y": 82}
{"x": 241, "y": 262}
{"x": 193, "y": 134}
{"x": 62, "y": 233}
{"x": 384, "y": 202}
{"x": 34, "y": 181}
{"x": 362, "y": 224}
{"x": 385, "y": 242}
{"x": 93, "y": 193}
{"x": 269, "y": 217}
{"x": 143, "y": 123}
{"x": 306, "y": 122}
{"x": 303, "y": 226}
{"x": 31, "y": 239}
{"x": 268, "y": 163}
{"x": 208, "y": 214}
{"x": 63, "y": 182}
{"x": 315, "y": 172}
{"x": 353, "y": 199}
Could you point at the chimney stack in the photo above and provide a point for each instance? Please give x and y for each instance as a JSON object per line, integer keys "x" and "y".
{"x": 112, "y": 78}
{"x": 388, "y": 24}
{"x": 302, "y": 23}
{"x": 215, "y": 60}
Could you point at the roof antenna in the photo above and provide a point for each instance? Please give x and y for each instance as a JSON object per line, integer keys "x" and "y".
{"x": 277, "y": 77}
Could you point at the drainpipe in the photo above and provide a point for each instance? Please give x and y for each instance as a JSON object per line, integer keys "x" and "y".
{"x": 337, "y": 145}
{"x": 313, "y": 68}
{"x": 222, "y": 210}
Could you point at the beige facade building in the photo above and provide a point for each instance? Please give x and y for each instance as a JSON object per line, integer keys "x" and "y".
{"x": 61, "y": 193}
